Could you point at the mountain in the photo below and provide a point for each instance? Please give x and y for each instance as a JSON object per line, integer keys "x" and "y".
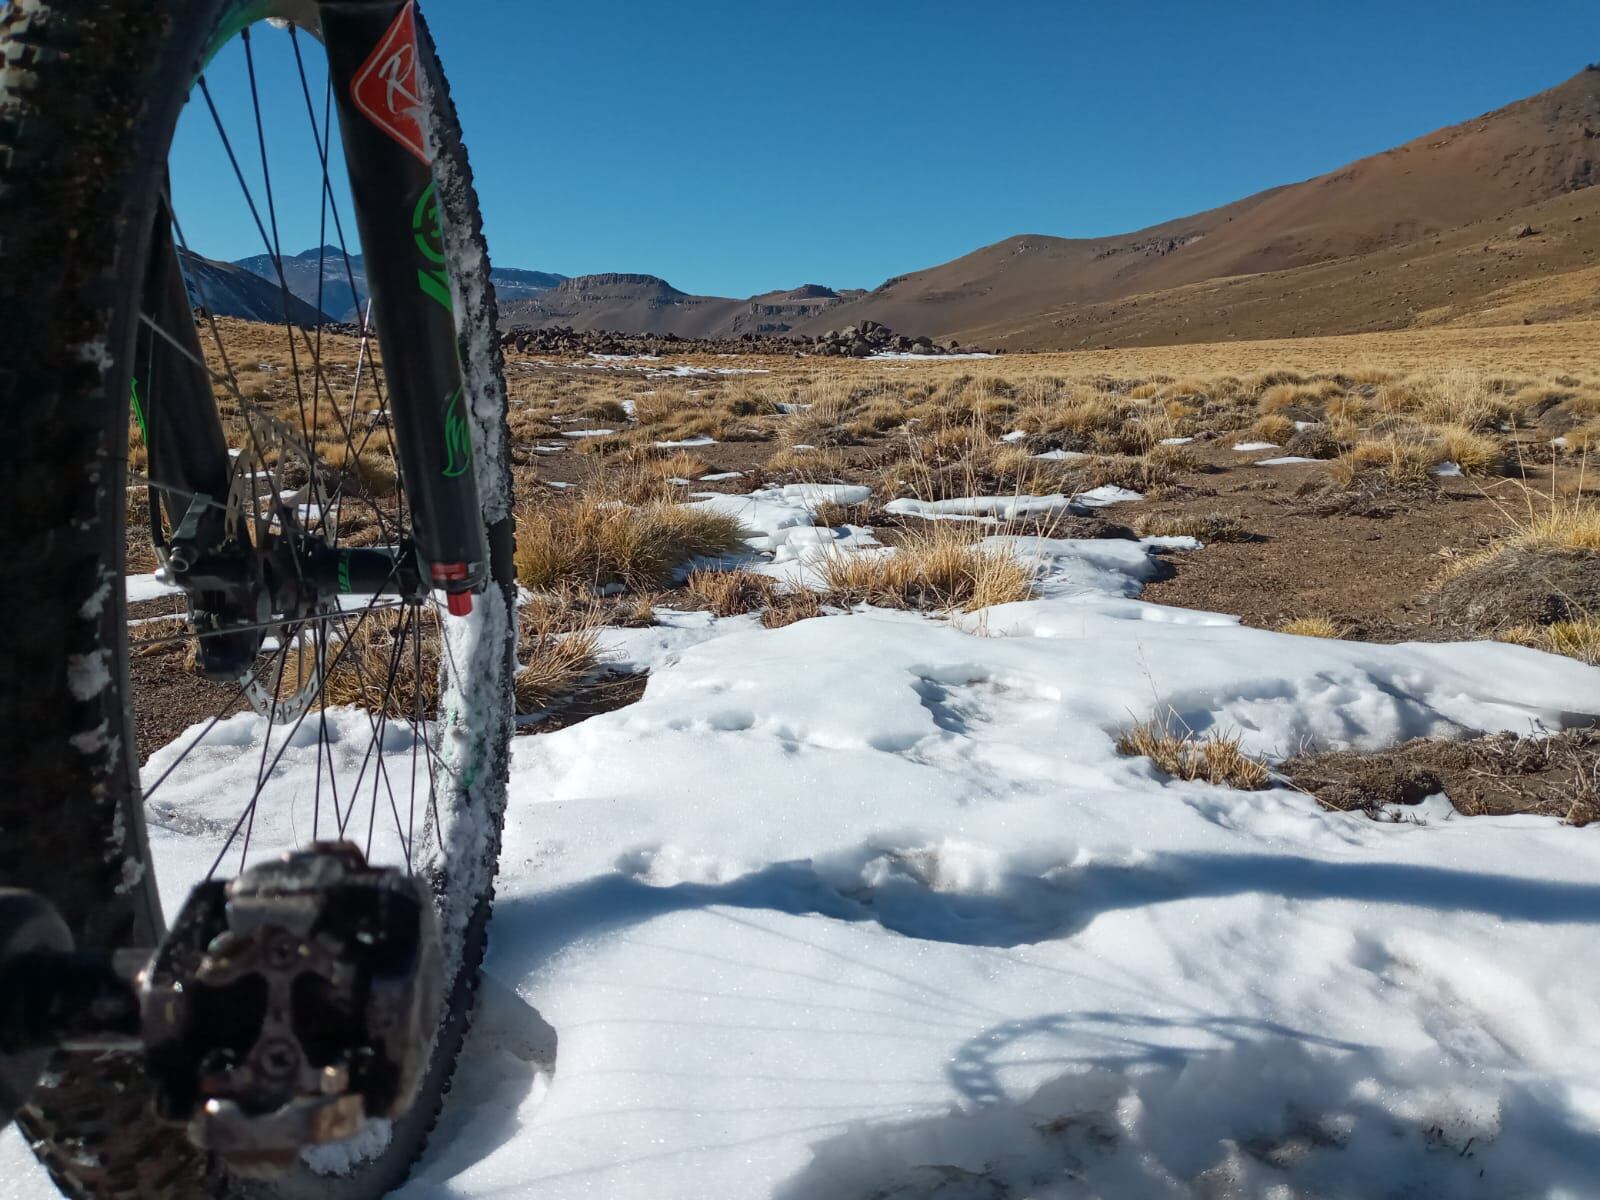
{"x": 1458, "y": 191}
{"x": 344, "y": 285}
{"x": 648, "y": 304}
{"x": 229, "y": 290}
{"x": 1493, "y": 220}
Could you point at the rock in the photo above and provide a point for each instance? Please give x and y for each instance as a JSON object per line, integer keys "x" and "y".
{"x": 860, "y": 341}
{"x": 1521, "y": 231}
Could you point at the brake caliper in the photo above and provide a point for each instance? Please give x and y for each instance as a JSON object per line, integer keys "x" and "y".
{"x": 289, "y": 1006}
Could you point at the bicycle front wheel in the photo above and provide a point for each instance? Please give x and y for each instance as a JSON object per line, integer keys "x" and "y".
{"x": 382, "y": 723}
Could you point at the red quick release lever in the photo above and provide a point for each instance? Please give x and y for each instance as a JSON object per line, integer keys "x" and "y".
{"x": 444, "y": 574}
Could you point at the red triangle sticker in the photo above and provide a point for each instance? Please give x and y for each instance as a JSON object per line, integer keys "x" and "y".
{"x": 388, "y": 87}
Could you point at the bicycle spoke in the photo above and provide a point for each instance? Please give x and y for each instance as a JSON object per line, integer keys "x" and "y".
{"x": 238, "y": 695}
{"x": 276, "y": 248}
{"x": 266, "y": 745}
{"x": 340, "y": 409}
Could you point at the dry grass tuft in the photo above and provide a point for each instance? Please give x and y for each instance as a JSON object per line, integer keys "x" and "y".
{"x": 559, "y": 647}
{"x": 371, "y": 472}
{"x": 1578, "y": 639}
{"x": 1273, "y": 428}
{"x": 940, "y": 569}
{"x": 1214, "y": 757}
{"x": 1316, "y": 625}
{"x": 812, "y": 464}
{"x": 1147, "y": 473}
{"x": 729, "y": 593}
{"x": 786, "y": 609}
{"x": 1571, "y": 528}
{"x": 1396, "y": 459}
{"x": 595, "y": 542}
{"x": 159, "y": 635}
{"x": 832, "y": 514}
{"x": 1207, "y": 527}
{"x": 361, "y": 666}
{"x": 1474, "y": 453}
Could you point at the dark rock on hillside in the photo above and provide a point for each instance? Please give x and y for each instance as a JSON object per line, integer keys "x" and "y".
{"x": 856, "y": 341}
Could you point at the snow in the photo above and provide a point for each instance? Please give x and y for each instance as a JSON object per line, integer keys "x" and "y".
{"x": 686, "y": 443}
{"x": 1283, "y": 461}
{"x": 1250, "y": 446}
{"x": 964, "y": 508}
{"x": 781, "y": 520}
{"x": 1178, "y": 441}
{"x": 850, "y": 907}
{"x": 586, "y": 433}
{"x": 87, "y": 675}
{"x": 640, "y": 363}
{"x": 720, "y": 476}
{"x": 1016, "y": 435}
{"x": 870, "y": 906}
{"x": 1060, "y": 455}
{"x": 1107, "y": 493}
{"x": 1448, "y": 470}
{"x": 1010, "y": 508}
{"x": 148, "y": 587}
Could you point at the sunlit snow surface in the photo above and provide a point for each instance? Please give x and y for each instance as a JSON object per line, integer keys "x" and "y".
{"x": 869, "y": 906}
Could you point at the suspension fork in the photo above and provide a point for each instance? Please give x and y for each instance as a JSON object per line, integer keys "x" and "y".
{"x": 378, "y": 78}
{"x": 172, "y": 399}
{"x": 171, "y": 394}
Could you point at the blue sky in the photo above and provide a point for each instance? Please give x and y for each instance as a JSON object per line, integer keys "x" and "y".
{"x": 735, "y": 147}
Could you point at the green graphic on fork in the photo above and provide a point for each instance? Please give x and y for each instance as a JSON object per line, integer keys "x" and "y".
{"x": 138, "y": 411}
{"x": 427, "y": 230}
{"x": 457, "y": 438}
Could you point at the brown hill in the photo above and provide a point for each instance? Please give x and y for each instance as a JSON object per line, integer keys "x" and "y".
{"x": 1036, "y": 292}
{"x": 647, "y": 304}
{"x": 1416, "y": 235}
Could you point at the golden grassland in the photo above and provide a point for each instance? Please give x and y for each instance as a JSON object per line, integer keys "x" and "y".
{"x": 1381, "y": 413}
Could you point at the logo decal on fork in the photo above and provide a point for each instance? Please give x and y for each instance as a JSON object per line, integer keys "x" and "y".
{"x": 388, "y": 89}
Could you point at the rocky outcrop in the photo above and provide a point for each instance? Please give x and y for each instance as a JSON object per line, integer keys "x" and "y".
{"x": 867, "y": 338}
{"x": 854, "y": 341}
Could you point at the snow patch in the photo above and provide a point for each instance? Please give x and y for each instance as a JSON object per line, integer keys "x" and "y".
{"x": 87, "y": 675}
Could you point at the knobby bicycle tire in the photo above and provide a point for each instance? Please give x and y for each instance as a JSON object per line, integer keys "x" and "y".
{"x": 89, "y": 96}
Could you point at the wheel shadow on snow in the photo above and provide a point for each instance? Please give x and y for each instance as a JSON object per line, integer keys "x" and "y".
{"x": 510, "y": 1053}
{"x": 1260, "y": 1110}
{"x": 903, "y": 890}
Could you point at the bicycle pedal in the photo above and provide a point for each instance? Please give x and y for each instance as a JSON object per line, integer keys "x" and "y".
{"x": 287, "y": 1007}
